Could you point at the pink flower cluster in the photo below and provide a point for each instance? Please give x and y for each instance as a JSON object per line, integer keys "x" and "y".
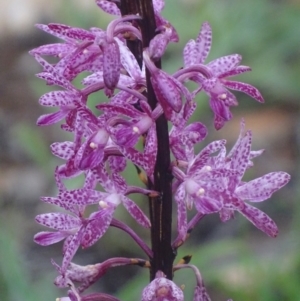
{"x": 211, "y": 181}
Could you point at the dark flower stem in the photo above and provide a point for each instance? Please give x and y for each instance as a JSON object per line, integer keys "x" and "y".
{"x": 160, "y": 207}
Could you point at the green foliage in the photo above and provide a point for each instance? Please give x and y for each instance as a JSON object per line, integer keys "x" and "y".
{"x": 15, "y": 282}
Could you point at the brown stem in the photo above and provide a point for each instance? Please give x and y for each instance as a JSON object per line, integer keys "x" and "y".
{"x": 160, "y": 207}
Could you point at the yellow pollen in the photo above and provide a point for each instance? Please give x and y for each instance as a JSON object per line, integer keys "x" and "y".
{"x": 103, "y": 205}
{"x": 200, "y": 192}
{"x": 93, "y": 145}
{"x": 222, "y": 96}
{"x": 136, "y": 129}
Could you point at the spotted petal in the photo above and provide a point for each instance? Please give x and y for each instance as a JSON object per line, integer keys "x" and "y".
{"x": 260, "y": 220}
{"x": 58, "y": 221}
{"x": 262, "y": 188}
{"x": 243, "y": 87}
{"x": 136, "y": 212}
{"x": 97, "y": 226}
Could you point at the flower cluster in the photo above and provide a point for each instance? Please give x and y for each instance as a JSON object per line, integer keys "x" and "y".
{"x": 103, "y": 143}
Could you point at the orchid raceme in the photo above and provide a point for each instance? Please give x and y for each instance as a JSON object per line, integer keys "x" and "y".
{"x": 144, "y": 119}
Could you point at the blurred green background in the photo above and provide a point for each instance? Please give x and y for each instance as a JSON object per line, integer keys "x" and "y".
{"x": 236, "y": 260}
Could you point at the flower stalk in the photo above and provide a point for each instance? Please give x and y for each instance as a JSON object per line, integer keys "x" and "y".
{"x": 142, "y": 101}
{"x": 160, "y": 208}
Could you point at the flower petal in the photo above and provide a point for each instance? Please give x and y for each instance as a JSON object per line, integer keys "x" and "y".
{"x": 109, "y": 7}
{"x": 181, "y": 213}
{"x": 260, "y": 220}
{"x": 97, "y": 226}
{"x": 52, "y": 118}
{"x": 243, "y": 87}
{"x": 49, "y": 238}
{"x": 63, "y": 150}
{"x": 167, "y": 90}
{"x": 111, "y": 64}
{"x": 136, "y": 212}
{"x": 203, "y": 42}
{"x": 224, "y": 64}
{"x": 262, "y": 188}
{"x": 58, "y": 221}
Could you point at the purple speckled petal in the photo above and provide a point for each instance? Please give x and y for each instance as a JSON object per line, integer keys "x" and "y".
{"x": 94, "y": 78}
{"x": 236, "y": 71}
{"x": 56, "y": 50}
{"x": 240, "y": 157}
{"x": 49, "y": 238}
{"x": 202, "y": 158}
{"x": 126, "y": 110}
{"x": 243, "y": 87}
{"x": 71, "y": 32}
{"x": 136, "y": 212}
{"x": 111, "y": 64}
{"x": 262, "y": 188}
{"x": 150, "y": 150}
{"x": 166, "y": 90}
{"x": 58, "y": 221}
{"x": 181, "y": 212}
{"x": 51, "y": 200}
{"x": 58, "y": 98}
{"x": 109, "y": 7}
{"x": 129, "y": 62}
{"x": 260, "y": 220}
{"x": 103, "y": 178}
{"x": 190, "y": 53}
{"x": 50, "y": 31}
{"x": 157, "y": 46}
{"x": 63, "y": 150}
{"x": 55, "y": 79}
{"x": 224, "y": 64}
{"x": 81, "y": 197}
{"x": 52, "y": 118}
{"x": 119, "y": 183}
{"x": 90, "y": 180}
{"x": 80, "y": 61}
{"x": 203, "y": 42}
{"x": 97, "y": 226}
{"x": 71, "y": 248}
